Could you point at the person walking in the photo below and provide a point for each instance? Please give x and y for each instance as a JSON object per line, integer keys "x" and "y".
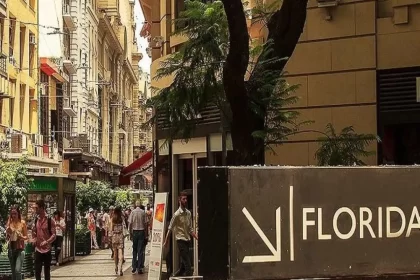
{"x": 111, "y": 214}
{"x": 92, "y": 229}
{"x": 181, "y": 226}
{"x": 44, "y": 235}
{"x": 60, "y": 227}
{"x": 16, "y": 234}
{"x": 137, "y": 223}
{"x": 117, "y": 228}
{"x": 106, "y": 221}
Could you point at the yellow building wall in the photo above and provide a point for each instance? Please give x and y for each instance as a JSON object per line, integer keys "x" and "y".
{"x": 22, "y": 84}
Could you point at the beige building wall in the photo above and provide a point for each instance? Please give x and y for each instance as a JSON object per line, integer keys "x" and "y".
{"x": 335, "y": 65}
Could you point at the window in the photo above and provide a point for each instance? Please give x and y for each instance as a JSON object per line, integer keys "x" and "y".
{"x": 44, "y": 108}
{"x": 31, "y": 57}
{"x": 22, "y": 104}
{"x": 12, "y": 36}
{"x": 1, "y": 34}
{"x": 22, "y": 47}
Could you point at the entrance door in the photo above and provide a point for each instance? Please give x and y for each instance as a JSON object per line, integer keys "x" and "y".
{"x": 185, "y": 179}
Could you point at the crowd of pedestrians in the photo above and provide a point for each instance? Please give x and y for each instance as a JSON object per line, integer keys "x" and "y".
{"x": 46, "y": 234}
{"x": 110, "y": 229}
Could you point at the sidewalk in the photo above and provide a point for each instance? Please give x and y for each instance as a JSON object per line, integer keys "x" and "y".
{"x": 98, "y": 266}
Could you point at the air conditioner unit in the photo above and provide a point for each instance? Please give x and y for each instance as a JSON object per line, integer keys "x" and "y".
{"x": 32, "y": 39}
{"x": 327, "y": 3}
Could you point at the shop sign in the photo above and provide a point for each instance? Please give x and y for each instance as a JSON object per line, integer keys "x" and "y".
{"x": 44, "y": 185}
{"x": 289, "y": 223}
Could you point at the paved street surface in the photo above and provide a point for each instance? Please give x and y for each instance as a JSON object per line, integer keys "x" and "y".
{"x": 97, "y": 266}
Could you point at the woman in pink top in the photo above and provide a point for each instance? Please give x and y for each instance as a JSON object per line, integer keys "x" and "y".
{"x": 92, "y": 228}
{"x": 16, "y": 234}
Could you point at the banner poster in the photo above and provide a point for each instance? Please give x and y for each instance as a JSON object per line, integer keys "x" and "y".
{"x": 158, "y": 236}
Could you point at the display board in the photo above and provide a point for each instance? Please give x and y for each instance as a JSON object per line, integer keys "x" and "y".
{"x": 158, "y": 236}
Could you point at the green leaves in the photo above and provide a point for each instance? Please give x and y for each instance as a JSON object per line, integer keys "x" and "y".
{"x": 345, "y": 148}
{"x": 99, "y": 195}
{"x": 197, "y": 69}
{"x": 14, "y": 185}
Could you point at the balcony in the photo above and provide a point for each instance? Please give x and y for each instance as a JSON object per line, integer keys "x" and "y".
{"x": 69, "y": 65}
{"x": 69, "y": 108}
{"x": 68, "y": 19}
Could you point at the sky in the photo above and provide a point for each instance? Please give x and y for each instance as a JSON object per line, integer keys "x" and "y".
{"x": 141, "y": 42}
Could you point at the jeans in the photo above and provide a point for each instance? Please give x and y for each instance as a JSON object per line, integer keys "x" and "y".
{"x": 16, "y": 258}
{"x": 57, "y": 247}
{"x": 184, "y": 253}
{"x": 138, "y": 257}
{"x": 43, "y": 259}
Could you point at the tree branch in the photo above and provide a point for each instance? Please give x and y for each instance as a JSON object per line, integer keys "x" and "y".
{"x": 238, "y": 55}
{"x": 284, "y": 30}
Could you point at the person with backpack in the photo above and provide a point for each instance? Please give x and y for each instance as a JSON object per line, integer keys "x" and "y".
{"x": 44, "y": 234}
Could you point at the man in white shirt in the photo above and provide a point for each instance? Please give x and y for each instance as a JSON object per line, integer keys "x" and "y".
{"x": 181, "y": 226}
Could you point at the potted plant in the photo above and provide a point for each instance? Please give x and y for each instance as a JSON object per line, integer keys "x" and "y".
{"x": 83, "y": 241}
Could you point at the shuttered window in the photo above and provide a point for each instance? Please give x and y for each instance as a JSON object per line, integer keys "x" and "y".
{"x": 397, "y": 90}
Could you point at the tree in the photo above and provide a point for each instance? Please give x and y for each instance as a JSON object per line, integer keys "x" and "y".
{"x": 95, "y": 194}
{"x": 99, "y": 195}
{"x": 213, "y": 66}
{"x": 124, "y": 198}
{"x": 345, "y": 148}
{"x": 14, "y": 185}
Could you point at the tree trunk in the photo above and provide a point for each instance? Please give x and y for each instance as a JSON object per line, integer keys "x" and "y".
{"x": 243, "y": 121}
{"x": 284, "y": 29}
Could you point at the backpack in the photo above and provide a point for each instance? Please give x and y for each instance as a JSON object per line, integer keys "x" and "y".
{"x": 49, "y": 225}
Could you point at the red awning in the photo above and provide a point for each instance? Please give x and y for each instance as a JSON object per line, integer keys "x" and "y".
{"x": 137, "y": 164}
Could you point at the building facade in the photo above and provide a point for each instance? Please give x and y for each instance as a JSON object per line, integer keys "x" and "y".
{"x": 143, "y": 141}
{"x": 20, "y": 94}
{"x": 91, "y": 43}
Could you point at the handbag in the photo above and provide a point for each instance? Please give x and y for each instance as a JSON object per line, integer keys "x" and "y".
{"x": 125, "y": 231}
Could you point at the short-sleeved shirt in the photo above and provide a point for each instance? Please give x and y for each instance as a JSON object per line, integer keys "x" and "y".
{"x": 137, "y": 219}
{"x": 58, "y": 230}
{"x": 181, "y": 224}
{"x": 42, "y": 234}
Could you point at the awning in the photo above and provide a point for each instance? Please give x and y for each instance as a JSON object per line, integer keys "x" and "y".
{"x": 137, "y": 164}
{"x": 135, "y": 167}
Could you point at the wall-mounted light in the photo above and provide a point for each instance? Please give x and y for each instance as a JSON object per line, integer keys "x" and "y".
{"x": 328, "y": 5}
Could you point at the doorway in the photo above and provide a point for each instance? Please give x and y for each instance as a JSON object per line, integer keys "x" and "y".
{"x": 185, "y": 180}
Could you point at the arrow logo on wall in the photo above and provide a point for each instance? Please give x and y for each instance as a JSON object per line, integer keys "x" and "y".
{"x": 276, "y": 252}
